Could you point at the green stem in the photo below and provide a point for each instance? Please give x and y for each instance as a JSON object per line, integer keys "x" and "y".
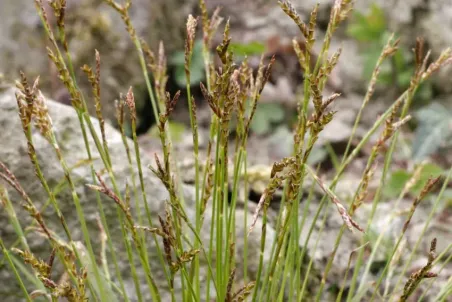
{"x": 16, "y": 273}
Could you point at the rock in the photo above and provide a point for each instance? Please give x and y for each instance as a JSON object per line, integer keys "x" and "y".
{"x": 399, "y": 13}
{"x": 347, "y": 76}
{"x": 435, "y": 29}
{"x": 435, "y": 24}
{"x": 89, "y": 25}
{"x": 65, "y": 123}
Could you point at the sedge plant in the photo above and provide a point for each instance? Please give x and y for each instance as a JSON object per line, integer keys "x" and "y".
{"x": 232, "y": 91}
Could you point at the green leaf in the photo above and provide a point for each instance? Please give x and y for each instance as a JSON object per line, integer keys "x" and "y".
{"x": 370, "y": 59}
{"x": 196, "y": 67}
{"x": 402, "y": 59}
{"x": 429, "y": 170}
{"x": 247, "y": 49}
{"x": 178, "y": 58}
{"x": 275, "y": 112}
{"x": 396, "y": 183}
{"x": 260, "y": 123}
{"x": 376, "y": 20}
{"x": 370, "y": 27}
{"x": 197, "y": 74}
{"x": 433, "y": 130}
{"x": 358, "y": 32}
{"x": 400, "y": 177}
{"x": 179, "y": 76}
{"x": 424, "y": 94}
{"x": 265, "y": 115}
{"x": 404, "y": 77}
{"x": 176, "y": 130}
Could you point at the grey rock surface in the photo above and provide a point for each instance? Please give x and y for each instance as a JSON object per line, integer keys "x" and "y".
{"x": 13, "y": 153}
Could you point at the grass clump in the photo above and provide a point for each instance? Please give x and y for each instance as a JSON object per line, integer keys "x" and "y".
{"x": 195, "y": 270}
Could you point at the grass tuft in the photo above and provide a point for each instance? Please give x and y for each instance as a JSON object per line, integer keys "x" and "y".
{"x": 193, "y": 268}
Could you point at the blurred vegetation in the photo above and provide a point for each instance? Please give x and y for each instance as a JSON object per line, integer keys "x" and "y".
{"x": 371, "y": 31}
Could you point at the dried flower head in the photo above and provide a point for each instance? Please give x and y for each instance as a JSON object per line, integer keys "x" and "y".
{"x": 41, "y": 116}
{"x": 428, "y": 187}
{"x": 348, "y": 220}
{"x": 130, "y": 102}
{"x": 244, "y": 292}
{"x": 32, "y": 106}
{"x": 191, "y": 30}
{"x": 444, "y": 59}
{"x": 423, "y": 273}
{"x": 290, "y": 11}
{"x": 149, "y": 55}
{"x": 40, "y": 266}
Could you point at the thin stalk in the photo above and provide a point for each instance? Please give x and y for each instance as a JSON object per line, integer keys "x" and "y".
{"x": 16, "y": 273}
{"x": 286, "y": 268}
{"x": 230, "y": 217}
{"x": 410, "y": 94}
{"x": 445, "y": 263}
{"x": 220, "y": 222}
{"x": 72, "y": 86}
{"x": 377, "y": 197}
{"x": 135, "y": 279}
{"x": 83, "y": 110}
{"x": 4, "y": 199}
{"x": 333, "y": 156}
{"x": 232, "y": 206}
{"x": 427, "y": 188}
{"x": 245, "y": 217}
{"x": 214, "y": 128}
{"x": 79, "y": 111}
{"x": 293, "y": 203}
{"x": 344, "y": 280}
{"x": 141, "y": 248}
{"x": 307, "y": 274}
{"x": 156, "y": 107}
{"x": 43, "y": 181}
{"x": 380, "y": 279}
{"x": 80, "y": 214}
{"x": 261, "y": 256}
{"x": 300, "y": 255}
{"x": 214, "y": 125}
{"x": 6, "y": 202}
{"x": 330, "y": 263}
{"x": 424, "y": 229}
{"x": 22, "y": 269}
{"x": 294, "y": 251}
{"x": 143, "y": 193}
{"x": 191, "y": 24}
{"x": 369, "y": 164}
{"x": 368, "y": 95}
{"x": 279, "y": 246}
{"x": 101, "y": 210}
{"x": 198, "y": 238}
{"x": 279, "y": 221}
